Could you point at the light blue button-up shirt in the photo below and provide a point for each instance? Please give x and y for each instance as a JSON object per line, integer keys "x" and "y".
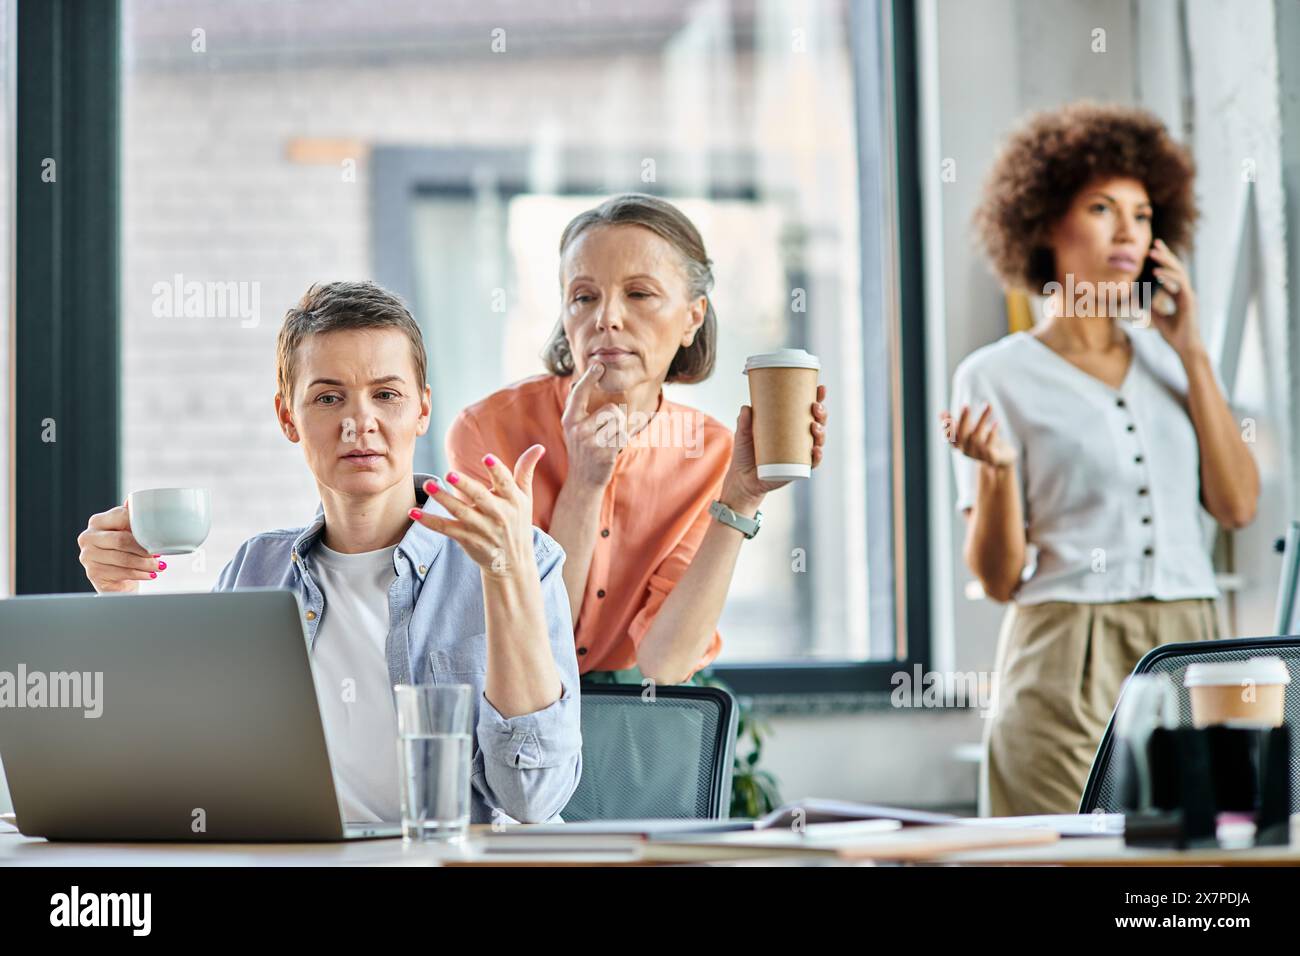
{"x": 525, "y": 768}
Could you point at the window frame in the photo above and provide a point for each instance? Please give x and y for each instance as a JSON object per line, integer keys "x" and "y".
{"x": 66, "y": 306}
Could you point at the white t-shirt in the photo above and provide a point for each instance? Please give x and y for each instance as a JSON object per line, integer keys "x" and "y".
{"x": 1109, "y": 478}
{"x": 352, "y": 683}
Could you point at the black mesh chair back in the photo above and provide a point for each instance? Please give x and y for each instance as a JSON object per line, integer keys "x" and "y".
{"x": 1102, "y": 791}
{"x": 665, "y": 756}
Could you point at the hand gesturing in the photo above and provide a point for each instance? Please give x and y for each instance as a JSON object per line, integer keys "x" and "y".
{"x": 493, "y": 524}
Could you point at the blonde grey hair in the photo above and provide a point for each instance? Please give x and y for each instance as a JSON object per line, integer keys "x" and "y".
{"x": 692, "y": 363}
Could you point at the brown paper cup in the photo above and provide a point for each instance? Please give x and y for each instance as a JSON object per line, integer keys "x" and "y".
{"x": 782, "y": 389}
{"x": 1238, "y": 693}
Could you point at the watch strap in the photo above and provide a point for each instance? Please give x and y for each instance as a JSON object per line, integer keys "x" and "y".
{"x": 746, "y": 526}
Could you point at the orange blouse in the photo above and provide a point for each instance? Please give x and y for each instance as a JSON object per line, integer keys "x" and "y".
{"x": 652, "y": 518}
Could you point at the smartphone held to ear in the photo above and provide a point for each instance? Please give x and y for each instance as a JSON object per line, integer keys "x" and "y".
{"x": 1161, "y": 300}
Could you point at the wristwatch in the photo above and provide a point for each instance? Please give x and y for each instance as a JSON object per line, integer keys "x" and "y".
{"x": 746, "y": 526}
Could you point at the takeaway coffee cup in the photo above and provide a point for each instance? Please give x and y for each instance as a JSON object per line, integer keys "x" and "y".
{"x": 170, "y": 520}
{"x": 1246, "y": 693}
{"x": 782, "y": 389}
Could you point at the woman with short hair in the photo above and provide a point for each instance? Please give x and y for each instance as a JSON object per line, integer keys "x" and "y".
{"x": 402, "y": 578}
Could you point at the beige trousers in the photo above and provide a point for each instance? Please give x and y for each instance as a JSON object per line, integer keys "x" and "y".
{"x": 1058, "y": 674}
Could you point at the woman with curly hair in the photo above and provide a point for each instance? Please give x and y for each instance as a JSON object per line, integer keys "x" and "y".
{"x": 1085, "y": 448}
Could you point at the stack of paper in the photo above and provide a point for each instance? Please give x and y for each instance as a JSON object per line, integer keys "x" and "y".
{"x": 827, "y": 829}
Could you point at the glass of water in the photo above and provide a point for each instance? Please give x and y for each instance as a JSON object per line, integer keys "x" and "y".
{"x": 433, "y": 730}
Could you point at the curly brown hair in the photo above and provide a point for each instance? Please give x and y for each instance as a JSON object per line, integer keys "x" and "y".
{"x": 1052, "y": 156}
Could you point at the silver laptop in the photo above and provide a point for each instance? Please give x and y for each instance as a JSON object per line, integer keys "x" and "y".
{"x": 165, "y": 717}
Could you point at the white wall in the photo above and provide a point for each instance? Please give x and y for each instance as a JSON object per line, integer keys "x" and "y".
{"x": 1237, "y": 131}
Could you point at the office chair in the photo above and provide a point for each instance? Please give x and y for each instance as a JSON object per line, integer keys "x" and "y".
{"x": 1102, "y": 791}
{"x": 667, "y": 757}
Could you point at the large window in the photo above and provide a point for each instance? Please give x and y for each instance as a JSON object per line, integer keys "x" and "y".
{"x": 440, "y": 149}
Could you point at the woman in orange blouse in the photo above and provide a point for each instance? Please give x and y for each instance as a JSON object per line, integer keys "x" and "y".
{"x": 628, "y": 476}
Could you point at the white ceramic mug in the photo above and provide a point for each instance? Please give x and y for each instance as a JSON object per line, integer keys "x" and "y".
{"x": 170, "y": 520}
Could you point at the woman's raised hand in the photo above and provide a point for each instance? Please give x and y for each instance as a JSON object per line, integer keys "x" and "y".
{"x": 979, "y": 439}
{"x": 493, "y": 523}
{"x": 592, "y": 439}
{"x": 113, "y": 559}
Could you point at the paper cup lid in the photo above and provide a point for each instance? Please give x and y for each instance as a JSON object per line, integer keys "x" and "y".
{"x": 783, "y": 358}
{"x": 1257, "y": 670}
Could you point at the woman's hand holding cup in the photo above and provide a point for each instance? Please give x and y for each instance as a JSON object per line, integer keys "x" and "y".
{"x": 781, "y": 434}
{"x": 742, "y": 482}
{"x": 114, "y": 560}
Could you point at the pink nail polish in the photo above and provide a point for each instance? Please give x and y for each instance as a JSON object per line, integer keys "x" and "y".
{"x": 430, "y": 487}
{"x": 162, "y": 565}
{"x": 153, "y": 574}
{"x": 452, "y": 477}
{"x": 415, "y": 513}
{"x": 489, "y": 461}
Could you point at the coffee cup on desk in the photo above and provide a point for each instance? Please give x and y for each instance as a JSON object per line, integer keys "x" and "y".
{"x": 170, "y": 520}
{"x": 782, "y": 390}
{"x": 1249, "y": 693}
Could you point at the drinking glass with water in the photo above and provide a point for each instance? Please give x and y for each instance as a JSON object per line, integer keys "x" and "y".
{"x": 433, "y": 729}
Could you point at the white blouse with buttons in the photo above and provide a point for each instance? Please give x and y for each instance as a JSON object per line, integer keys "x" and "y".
{"x": 1109, "y": 478}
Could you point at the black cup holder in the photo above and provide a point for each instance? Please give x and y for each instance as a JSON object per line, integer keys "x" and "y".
{"x": 1196, "y": 774}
